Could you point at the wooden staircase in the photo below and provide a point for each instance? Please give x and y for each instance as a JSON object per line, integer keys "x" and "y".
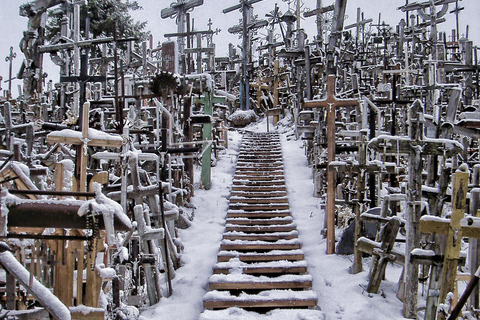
{"x": 260, "y": 264}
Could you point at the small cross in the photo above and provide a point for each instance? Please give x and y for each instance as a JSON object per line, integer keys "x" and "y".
{"x": 10, "y": 58}
{"x": 331, "y": 102}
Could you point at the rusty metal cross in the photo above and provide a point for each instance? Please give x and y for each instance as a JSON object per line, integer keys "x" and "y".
{"x": 331, "y": 103}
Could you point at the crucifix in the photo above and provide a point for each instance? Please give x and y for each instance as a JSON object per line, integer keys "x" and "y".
{"x": 179, "y": 10}
{"x": 9, "y": 59}
{"x": 82, "y": 80}
{"x": 246, "y": 7}
{"x": 330, "y": 103}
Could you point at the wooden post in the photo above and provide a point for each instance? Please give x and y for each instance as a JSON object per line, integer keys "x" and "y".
{"x": 207, "y": 136}
{"x": 357, "y": 255}
{"x": 208, "y": 100}
{"x": 331, "y": 102}
{"x": 474, "y": 243}
{"x": 454, "y": 238}
{"x": 414, "y": 208}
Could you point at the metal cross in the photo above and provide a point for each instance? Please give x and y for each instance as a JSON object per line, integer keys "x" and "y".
{"x": 10, "y": 58}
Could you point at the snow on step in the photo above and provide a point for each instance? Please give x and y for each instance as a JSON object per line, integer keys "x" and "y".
{"x": 260, "y": 259}
{"x": 261, "y": 228}
{"x": 244, "y": 199}
{"x": 265, "y": 299}
{"x": 284, "y": 314}
{"x": 253, "y": 194}
{"x": 259, "y": 206}
{"x": 272, "y": 255}
{"x": 250, "y": 282}
{"x": 249, "y": 245}
{"x": 270, "y": 221}
{"x": 270, "y": 236}
{"x": 236, "y": 266}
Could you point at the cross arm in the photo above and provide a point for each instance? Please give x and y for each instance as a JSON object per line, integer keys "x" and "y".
{"x": 240, "y": 6}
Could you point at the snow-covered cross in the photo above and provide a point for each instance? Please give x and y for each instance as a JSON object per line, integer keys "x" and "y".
{"x": 331, "y": 103}
{"x": 85, "y": 138}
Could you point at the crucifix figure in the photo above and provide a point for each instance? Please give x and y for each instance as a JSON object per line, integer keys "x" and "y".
{"x": 331, "y": 103}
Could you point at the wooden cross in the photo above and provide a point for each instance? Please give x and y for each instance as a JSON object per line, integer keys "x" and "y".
{"x": 360, "y": 24}
{"x": 319, "y": 11}
{"x": 245, "y": 7}
{"x": 330, "y": 103}
{"x": 416, "y": 147}
{"x": 382, "y": 253}
{"x": 87, "y": 137}
{"x": 454, "y": 231}
{"x": 179, "y": 10}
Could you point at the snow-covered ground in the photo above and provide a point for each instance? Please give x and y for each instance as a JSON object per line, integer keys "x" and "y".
{"x": 341, "y": 295}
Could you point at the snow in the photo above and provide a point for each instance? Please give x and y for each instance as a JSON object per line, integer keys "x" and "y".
{"x": 108, "y": 208}
{"x": 41, "y": 293}
{"x": 341, "y": 295}
{"x": 92, "y": 134}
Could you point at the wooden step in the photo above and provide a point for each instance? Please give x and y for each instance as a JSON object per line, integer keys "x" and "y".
{"x": 272, "y": 236}
{"x": 250, "y": 282}
{"x": 264, "y": 200}
{"x": 257, "y": 188}
{"x": 257, "y": 214}
{"x": 273, "y": 255}
{"x": 260, "y": 222}
{"x": 244, "y": 245}
{"x": 258, "y": 177}
{"x": 250, "y": 183}
{"x": 261, "y": 228}
{"x": 267, "y": 299}
{"x": 269, "y": 194}
{"x": 269, "y": 267}
{"x": 259, "y": 172}
{"x": 259, "y": 206}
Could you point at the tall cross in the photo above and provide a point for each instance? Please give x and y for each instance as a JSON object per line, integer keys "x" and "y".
{"x": 360, "y": 24}
{"x": 9, "y": 59}
{"x": 179, "y": 10}
{"x": 82, "y": 79}
{"x": 331, "y": 103}
{"x": 319, "y": 11}
{"x": 245, "y": 6}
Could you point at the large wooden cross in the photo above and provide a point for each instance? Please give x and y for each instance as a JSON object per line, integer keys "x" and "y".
{"x": 87, "y": 137}
{"x": 331, "y": 103}
{"x": 179, "y": 10}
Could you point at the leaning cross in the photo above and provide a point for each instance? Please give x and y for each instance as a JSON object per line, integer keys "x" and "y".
{"x": 331, "y": 102}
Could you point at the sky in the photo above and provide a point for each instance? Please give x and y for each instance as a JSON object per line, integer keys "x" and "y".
{"x": 14, "y": 25}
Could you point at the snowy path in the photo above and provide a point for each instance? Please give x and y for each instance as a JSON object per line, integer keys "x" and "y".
{"x": 340, "y": 294}
{"x": 266, "y": 281}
